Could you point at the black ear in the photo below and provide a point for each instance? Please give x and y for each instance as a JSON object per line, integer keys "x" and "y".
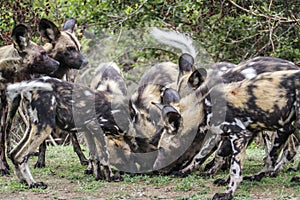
{"x": 197, "y": 78}
{"x": 21, "y": 36}
{"x": 49, "y": 31}
{"x": 186, "y": 63}
{"x": 172, "y": 119}
{"x": 169, "y": 96}
{"x": 70, "y": 25}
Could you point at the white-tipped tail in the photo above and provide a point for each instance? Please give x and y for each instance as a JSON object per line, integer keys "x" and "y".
{"x": 175, "y": 39}
{"x": 20, "y": 88}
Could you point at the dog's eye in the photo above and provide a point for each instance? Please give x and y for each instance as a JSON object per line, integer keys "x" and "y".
{"x": 71, "y": 48}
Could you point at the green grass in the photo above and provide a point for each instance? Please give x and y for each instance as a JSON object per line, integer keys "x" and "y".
{"x": 66, "y": 180}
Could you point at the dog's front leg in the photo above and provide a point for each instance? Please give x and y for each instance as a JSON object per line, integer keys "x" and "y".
{"x": 93, "y": 166}
{"x": 239, "y": 143}
{"x": 101, "y": 166}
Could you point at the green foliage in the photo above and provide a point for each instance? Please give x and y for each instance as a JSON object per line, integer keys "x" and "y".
{"x": 228, "y": 30}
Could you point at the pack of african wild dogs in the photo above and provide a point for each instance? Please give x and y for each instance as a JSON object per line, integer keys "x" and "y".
{"x": 178, "y": 116}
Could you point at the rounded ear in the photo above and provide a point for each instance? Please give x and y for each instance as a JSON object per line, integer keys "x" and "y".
{"x": 21, "y": 36}
{"x": 169, "y": 96}
{"x": 197, "y": 78}
{"x": 48, "y": 30}
{"x": 70, "y": 25}
{"x": 172, "y": 119}
{"x": 186, "y": 63}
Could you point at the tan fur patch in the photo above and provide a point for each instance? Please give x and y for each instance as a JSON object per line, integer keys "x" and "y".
{"x": 266, "y": 92}
{"x": 35, "y": 95}
{"x": 153, "y": 94}
{"x": 236, "y": 94}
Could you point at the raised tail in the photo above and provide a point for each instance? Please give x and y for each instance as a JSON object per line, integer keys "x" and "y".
{"x": 175, "y": 39}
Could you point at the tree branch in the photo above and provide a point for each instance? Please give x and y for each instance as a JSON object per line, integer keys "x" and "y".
{"x": 268, "y": 17}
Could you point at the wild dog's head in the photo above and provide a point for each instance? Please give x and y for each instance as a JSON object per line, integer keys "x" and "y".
{"x": 31, "y": 58}
{"x": 178, "y": 133}
{"x": 62, "y": 45}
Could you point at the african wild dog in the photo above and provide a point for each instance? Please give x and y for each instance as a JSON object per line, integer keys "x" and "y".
{"x": 206, "y": 142}
{"x": 108, "y": 78}
{"x": 245, "y": 70}
{"x": 64, "y": 47}
{"x": 55, "y": 103}
{"x": 232, "y": 73}
{"x": 20, "y": 61}
{"x": 122, "y": 148}
{"x": 146, "y": 117}
{"x": 269, "y": 101}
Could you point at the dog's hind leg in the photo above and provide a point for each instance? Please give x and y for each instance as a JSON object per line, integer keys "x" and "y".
{"x": 41, "y": 107}
{"x": 20, "y": 158}
{"x": 271, "y": 159}
{"x": 289, "y": 152}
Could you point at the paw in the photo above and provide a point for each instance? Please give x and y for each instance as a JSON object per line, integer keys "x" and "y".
{"x": 206, "y": 175}
{"x": 256, "y": 177}
{"x": 296, "y": 179}
{"x": 220, "y": 182}
{"x": 179, "y": 174}
{"x": 116, "y": 178}
{"x": 88, "y": 171}
{"x": 38, "y": 185}
{"x": 39, "y": 165}
{"x": 222, "y": 196}
{"x": 249, "y": 178}
{"x": 84, "y": 162}
{"x": 4, "y": 171}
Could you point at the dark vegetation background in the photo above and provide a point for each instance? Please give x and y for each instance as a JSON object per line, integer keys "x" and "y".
{"x": 229, "y": 30}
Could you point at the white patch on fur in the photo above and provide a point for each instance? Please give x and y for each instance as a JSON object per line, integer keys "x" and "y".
{"x": 23, "y": 41}
{"x": 240, "y": 123}
{"x": 24, "y": 87}
{"x": 115, "y": 111}
{"x": 34, "y": 115}
{"x": 87, "y": 93}
{"x": 50, "y": 33}
{"x": 52, "y": 100}
{"x": 103, "y": 120}
{"x": 207, "y": 102}
{"x": 249, "y": 73}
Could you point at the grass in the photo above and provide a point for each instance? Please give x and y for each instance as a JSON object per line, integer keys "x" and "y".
{"x": 65, "y": 179}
